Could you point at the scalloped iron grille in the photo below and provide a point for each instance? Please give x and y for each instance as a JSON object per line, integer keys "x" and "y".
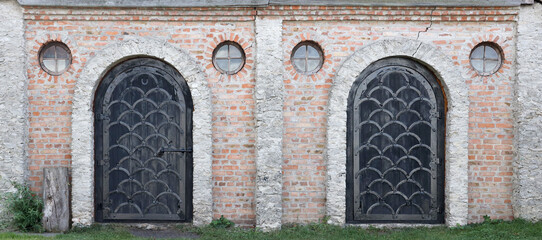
{"x": 144, "y": 149}
{"x": 396, "y": 144}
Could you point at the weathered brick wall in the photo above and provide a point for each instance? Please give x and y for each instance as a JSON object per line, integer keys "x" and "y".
{"x": 88, "y": 31}
{"x": 340, "y": 31}
{"x": 455, "y": 32}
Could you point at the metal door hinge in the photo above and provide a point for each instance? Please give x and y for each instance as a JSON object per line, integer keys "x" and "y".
{"x": 101, "y": 117}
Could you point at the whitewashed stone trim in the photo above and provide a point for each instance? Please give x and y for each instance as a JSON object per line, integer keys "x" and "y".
{"x": 13, "y": 97}
{"x": 527, "y": 197}
{"x": 83, "y": 124}
{"x": 269, "y": 123}
{"x": 455, "y": 88}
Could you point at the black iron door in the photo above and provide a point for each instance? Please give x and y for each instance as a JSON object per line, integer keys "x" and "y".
{"x": 143, "y": 141}
{"x": 395, "y": 151}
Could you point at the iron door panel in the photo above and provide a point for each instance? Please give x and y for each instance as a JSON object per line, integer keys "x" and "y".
{"x": 395, "y": 145}
{"x": 142, "y": 107}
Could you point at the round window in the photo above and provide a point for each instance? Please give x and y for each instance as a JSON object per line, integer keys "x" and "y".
{"x": 228, "y": 58}
{"x": 486, "y": 58}
{"x": 307, "y": 57}
{"x": 55, "y": 58}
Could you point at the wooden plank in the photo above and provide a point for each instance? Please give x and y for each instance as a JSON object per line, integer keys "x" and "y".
{"x": 527, "y": 2}
{"x": 56, "y": 207}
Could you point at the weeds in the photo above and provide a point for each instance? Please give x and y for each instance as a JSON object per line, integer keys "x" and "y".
{"x": 222, "y": 222}
{"x": 26, "y": 209}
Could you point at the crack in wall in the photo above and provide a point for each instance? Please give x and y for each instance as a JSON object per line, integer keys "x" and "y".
{"x": 426, "y": 29}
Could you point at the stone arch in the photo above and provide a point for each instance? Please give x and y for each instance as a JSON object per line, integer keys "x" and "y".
{"x": 83, "y": 123}
{"x": 456, "y": 92}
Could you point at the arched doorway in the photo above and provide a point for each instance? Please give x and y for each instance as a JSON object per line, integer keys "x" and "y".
{"x": 395, "y": 145}
{"x": 143, "y": 143}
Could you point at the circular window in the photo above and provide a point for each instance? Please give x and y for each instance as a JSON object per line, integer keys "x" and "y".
{"x": 485, "y": 58}
{"x": 228, "y": 58}
{"x": 55, "y": 58}
{"x": 307, "y": 57}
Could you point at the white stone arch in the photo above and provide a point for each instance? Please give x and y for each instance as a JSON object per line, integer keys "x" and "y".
{"x": 456, "y": 93}
{"x": 83, "y": 123}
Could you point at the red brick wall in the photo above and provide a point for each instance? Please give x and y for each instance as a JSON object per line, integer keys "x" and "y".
{"x": 89, "y": 31}
{"x": 491, "y": 135}
{"x": 340, "y": 31}
{"x": 49, "y": 107}
{"x": 455, "y": 33}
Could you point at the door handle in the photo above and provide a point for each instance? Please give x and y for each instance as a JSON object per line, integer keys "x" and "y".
{"x": 164, "y": 150}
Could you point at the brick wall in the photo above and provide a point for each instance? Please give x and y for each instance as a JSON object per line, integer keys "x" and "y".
{"x": 85, "y": 32}
{"x": 339, "y": 31}
{"x": 490, "y": 119}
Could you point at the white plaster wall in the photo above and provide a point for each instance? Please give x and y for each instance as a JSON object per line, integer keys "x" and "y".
{"x": 13, "y": 108}
{"x": 269, "y": 123}
{"x": 83, "y": 129}
{"x": 455, "y": 88}
{"x": 527, "y": 198}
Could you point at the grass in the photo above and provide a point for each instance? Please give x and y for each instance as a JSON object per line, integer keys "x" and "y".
{"x": 492, "y": 229}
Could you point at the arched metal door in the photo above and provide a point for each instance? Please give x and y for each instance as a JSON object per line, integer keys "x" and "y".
{"x": 395, "y": 151}
{"x": 143, "y": 143}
